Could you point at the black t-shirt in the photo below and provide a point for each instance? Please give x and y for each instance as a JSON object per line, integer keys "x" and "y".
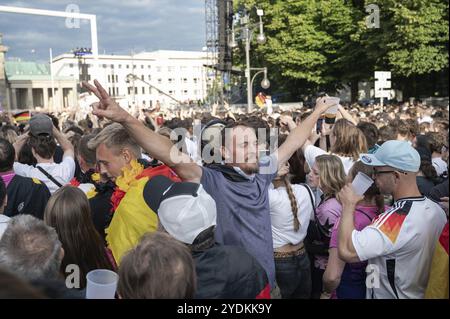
{"x": 58, "y": 156}
{"x": 424, "y": 184}
{"x": 26, "y": 196}
{"x": 439, "y": 191}
{"x": 101, "y": 207}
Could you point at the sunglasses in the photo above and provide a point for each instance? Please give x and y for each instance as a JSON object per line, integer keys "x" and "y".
{"x": 386, "y": 172}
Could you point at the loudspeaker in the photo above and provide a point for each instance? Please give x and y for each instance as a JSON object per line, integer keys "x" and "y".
{"x": 225, "y": 20}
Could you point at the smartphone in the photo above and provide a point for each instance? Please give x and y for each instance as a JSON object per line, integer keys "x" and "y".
{"x": 319, "y": 126}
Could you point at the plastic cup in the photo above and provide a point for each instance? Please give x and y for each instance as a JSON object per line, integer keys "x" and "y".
{"x": 334, "y": 105}
{"x": 330, "y": 114}
{"x": 101, "y": 284}
{"x": 361, "y": 183}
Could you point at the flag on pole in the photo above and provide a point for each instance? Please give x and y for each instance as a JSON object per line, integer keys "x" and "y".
{"x": 22, "y": 116}
{"x": 260, "y": 100}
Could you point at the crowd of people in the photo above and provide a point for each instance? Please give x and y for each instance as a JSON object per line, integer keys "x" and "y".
{"x": 222, "y": 211}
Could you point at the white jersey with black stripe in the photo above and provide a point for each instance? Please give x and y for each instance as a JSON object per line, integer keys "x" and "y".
{"x": 399, "y": 246}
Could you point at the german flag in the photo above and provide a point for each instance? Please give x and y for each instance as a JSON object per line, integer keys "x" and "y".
{"x": 24, "y": 116}
{"x": 260, "y": 100}
{"x": 392, "y": 224}
{"x": 132, "y": 217}
{"x": 437, "y": 287}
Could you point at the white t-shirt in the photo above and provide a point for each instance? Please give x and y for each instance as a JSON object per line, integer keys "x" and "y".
{"x": 311, "y": 152}
{"x": 62, "y": 172}
{"x": 4, "y": 220}
{"x": 282, "y": 218}
{"x": 400, "y": 243}
{"x": 440, "y": 165}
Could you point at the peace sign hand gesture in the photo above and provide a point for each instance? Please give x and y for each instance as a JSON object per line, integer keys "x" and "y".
{"x": 106, "y": 107}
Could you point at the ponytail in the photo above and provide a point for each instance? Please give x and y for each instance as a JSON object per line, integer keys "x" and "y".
{"x": 379, "y": 201}
{"x": 428, "y": 170}
{"x": 293, "y": 201}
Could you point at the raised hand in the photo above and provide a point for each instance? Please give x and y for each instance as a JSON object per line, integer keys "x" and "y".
{"x": 287, "y": 121}
{"x": 106, "y": 107}
{"x": 314, "y": 136}
{"x": 283, "y": 170}
{"x": 323, "y": 104}
{"x": 347, "y": 196}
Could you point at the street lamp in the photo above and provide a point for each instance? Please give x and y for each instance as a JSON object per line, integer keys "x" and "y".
{"x": 247, "y": 33}
{"x": 265, "y": 83}
{"x": 261, "y": 38}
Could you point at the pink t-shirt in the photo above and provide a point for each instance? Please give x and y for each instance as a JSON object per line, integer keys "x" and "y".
{"x": 362, "y": 218}
{"x": 7, "y": 178}
{"x": 327, "y": 214}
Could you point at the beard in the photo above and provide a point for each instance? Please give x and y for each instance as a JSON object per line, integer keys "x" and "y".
{"x": 249, "y": 169}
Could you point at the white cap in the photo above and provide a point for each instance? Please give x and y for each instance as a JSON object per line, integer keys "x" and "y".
{"x": 184, "y": 215}
{"x": 184, "y": 209}
{"x": 397, "y": 154}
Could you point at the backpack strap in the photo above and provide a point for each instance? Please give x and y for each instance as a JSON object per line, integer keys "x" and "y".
{"x": 50, "y": 177}
{"x": 311, "y": 197}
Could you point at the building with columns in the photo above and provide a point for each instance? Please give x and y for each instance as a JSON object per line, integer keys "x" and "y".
{"x": 30, "y": 86}
{"x": 136, "y": 81}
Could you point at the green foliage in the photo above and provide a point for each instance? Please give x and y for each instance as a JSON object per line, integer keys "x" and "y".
{"x": 314, "y": 45}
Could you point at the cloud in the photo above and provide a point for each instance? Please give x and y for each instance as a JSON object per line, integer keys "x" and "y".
{"x": 122, "y": 26}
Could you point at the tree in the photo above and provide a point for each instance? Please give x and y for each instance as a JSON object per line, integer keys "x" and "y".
{"x": 412, "y": 41}
{"x": 308, "y": 41}
{"x": 319, "y": 45}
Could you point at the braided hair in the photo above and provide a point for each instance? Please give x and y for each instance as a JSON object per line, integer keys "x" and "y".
{"x": 287, "y": 184}
{"x": 293, "y": 200}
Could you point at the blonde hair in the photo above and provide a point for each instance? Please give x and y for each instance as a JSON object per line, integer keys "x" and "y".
{"x": 116, "y": 137}
{"x": 331, "y": 174}
{"x": 350, "y": 140}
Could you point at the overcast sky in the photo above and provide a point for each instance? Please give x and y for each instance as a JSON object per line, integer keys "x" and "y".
{"x": 123, "y": 25}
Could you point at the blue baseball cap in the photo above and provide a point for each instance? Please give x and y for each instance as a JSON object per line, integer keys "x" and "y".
{"x": 397, "y": 154}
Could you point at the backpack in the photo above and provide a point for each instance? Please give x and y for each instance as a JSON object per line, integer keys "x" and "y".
{"x": 316, "y": 241}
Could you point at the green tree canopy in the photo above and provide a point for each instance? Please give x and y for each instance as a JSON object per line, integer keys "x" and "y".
{"x": 315, "y": 45}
